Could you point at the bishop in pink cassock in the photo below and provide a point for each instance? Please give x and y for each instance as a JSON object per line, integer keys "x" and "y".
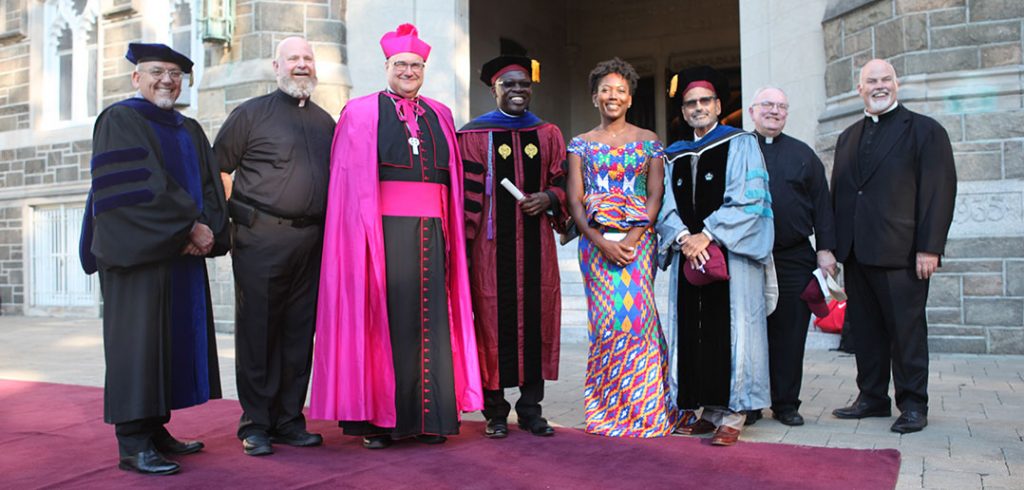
{"x": 395, "y": 352}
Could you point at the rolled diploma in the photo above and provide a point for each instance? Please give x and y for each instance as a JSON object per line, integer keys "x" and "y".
{"x": 518, "y": 194}
{"x": 512, "y": 189}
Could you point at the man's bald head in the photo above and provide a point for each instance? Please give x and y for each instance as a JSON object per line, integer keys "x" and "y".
{"x": 295, "y": 67}
{"x": 878, "y": 86}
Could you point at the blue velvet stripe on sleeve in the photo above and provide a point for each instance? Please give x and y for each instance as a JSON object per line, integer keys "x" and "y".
{"x": 123, "y": 199}
{"x": 759, "y": 194}
{"x": 757, "y": 173}
{"x": 120, "y": 177}
{"x": 759, "y": 210}
{"x": 132, "y": 154}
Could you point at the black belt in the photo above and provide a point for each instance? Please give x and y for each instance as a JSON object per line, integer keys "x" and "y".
{"x": 245, "y": 212}
{"x": 292, "y": 222}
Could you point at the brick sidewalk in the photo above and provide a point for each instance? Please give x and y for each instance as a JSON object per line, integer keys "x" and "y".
{"x": 975, "y": 437}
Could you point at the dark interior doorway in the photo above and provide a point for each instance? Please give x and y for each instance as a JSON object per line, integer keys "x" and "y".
{"x": 643, "y": 113}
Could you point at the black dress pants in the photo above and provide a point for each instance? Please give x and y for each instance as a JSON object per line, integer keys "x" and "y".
{"x": 887, "y": 306}
{"x": 527, "y": 407}
{"x": 277, "y": 273}
{"x": 787, "y": 326}
{"x": 136, "y": 436}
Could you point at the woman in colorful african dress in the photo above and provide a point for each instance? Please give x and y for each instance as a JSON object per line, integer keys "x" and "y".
{"x": 615, "y": 186}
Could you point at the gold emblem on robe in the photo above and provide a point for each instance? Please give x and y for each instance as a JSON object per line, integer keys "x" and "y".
{"x": 504, "y": 150}
{"x": 530, "y": 150}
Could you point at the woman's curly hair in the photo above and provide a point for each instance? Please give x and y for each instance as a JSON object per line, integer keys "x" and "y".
{"x": 617, "y": 66}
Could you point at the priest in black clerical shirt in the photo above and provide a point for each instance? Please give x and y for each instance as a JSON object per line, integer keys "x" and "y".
{"x": 893, "y": 193}
{"x": 278, "y": 147}
{"x": 801, "y": 204}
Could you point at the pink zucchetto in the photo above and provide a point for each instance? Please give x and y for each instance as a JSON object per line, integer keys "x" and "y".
{"x": 405, "y": 39}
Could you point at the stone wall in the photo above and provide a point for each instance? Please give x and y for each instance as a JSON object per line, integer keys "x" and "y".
{"x": 959, "y": 61}
{"x": 14, "y": 65}
{"x": 40, "y": 164}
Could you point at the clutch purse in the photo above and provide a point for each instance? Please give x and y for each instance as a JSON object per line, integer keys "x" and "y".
{"x": 713, "y": 270}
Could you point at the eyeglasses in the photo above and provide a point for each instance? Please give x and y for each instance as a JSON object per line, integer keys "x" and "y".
{"x": 158, "y": 73}
{"x": 703, "y": 101}
{"x": 402, "y": 66}
{"x": 781, "y": 106}
{"x": 511, "y": 84}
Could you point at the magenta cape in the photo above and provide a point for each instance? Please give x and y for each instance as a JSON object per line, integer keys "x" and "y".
{"x": 353, "y": 372}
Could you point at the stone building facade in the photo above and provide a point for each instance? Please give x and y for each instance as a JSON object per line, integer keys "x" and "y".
{"x": 960, "y": 62}
{"x": 62, "y": 61}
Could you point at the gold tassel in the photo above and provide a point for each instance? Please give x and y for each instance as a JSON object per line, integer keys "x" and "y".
{"x": 191, "y": 80}
{"x": 673, "y": 86}
{"x": 535, "y": 71}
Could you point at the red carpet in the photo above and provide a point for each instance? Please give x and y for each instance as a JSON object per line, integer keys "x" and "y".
{"x": 53, "y": 436}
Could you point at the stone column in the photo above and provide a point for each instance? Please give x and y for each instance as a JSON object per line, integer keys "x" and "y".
{"x": 444, "y": 24}
{"x": 243, "y": 69}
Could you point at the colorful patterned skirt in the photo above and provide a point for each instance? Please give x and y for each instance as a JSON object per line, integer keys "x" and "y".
{"x": 627, "y": 388}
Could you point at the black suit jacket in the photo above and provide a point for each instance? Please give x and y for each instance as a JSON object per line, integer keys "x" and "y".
{"x": 901, "y": 201}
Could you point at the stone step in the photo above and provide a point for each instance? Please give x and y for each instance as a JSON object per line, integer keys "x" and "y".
{"x": 958, "y": 344}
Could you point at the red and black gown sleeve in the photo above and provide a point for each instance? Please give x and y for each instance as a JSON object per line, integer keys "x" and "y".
{"x": 556, "y": 172}
{"x": 473, "y": 147}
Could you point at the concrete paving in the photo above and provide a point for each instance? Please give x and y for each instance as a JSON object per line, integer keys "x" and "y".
{"x": 975, "y": 438}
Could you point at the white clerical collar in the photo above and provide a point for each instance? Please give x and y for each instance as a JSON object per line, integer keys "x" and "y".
{"x": 507, "y": 114}
{"x": 768, "y": 139}
{"x": 874, "y": 117}
{"x": 696, "y": 138}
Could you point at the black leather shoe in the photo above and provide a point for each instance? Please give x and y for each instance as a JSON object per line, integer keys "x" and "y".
{"x": 496, "y": 429}
{"x": 910, "y": 421}
{"x": 170, "y": 445}
{"x": 789, "y": 417}
{"x": 377, "y": 442}
{"x": 860, "y": 410}
{"x": 257, "y": 445}
{"x": 752, "y": 417}
{"x": 537, "y": 426}
{"x": 299, "y": 438}
{"x": 431, "y": 439}
{"x": 149, "y": 462}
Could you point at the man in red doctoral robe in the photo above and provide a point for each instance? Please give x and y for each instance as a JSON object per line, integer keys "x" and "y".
{"x": 514, "y": 265}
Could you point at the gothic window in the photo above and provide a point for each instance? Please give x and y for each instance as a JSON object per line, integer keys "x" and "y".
{"x": 183, "y": 37}
{"x": 71, "y": 61}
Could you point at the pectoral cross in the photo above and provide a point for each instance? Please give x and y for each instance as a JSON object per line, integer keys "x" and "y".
{"x": 414, "y": 142}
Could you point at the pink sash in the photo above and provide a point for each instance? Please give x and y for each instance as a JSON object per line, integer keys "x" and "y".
{"x": 413, "y": 199}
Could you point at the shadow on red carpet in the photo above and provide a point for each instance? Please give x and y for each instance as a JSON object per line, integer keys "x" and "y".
{"x": 53, "y": 435}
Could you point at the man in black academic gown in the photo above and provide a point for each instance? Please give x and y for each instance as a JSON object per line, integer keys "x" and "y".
{"x": 156, "y": 209}
{"x": 893, "y": 193}
{"x": 279, "y": 148}
{"x": 800, "y": 201}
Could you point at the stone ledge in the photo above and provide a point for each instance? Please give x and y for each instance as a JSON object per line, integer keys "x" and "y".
{"x": 260, "y": 70}
{"x": 11, "y": 37}
{"x": 839, "y": 8}
{"x": 987, "y": 82}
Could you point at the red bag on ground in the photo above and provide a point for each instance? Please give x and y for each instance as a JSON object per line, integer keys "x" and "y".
{"x": 833, "y": 323}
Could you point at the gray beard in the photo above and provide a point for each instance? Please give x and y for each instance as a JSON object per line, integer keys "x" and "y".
{"x": 295, "y": 88}
{"x": 164, "y": 103}
{"x": 879, "y": 106}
